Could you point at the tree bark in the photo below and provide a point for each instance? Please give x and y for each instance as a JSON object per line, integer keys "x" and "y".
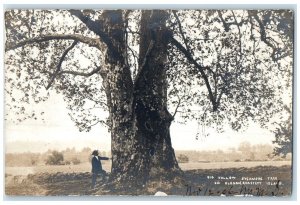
{"x": 139, "y": 118}
{"x": 119, "y": 92}
{"x": 157, "y": 157}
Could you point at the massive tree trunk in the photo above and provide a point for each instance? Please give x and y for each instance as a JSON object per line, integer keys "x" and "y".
{"x": 140, "y": 121}
{"x": 153, "y": 118}
{"x": 119, "y": 92}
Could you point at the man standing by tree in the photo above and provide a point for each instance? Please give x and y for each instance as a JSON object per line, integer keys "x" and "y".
{"x": 96, "y": 166}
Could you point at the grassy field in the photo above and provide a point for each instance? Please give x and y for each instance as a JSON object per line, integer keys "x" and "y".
{"x": 226, "y": 165}
{"x": 83, "y": 167}
{"x": 86, "y": 167}
{"x": 199, "y": 179}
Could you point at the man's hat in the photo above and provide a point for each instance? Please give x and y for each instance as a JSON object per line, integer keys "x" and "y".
{"x": 95, "y": 152}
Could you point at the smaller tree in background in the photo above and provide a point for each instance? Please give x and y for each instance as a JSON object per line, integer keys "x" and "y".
{"x": 67, "y": 162}
{"x": 283, "y": 135}
{"x": 56, "y": 158}
{"x": 86, "y": 150}
{"x": 34, "y": 160}
{"x": 245, "y": 149}
{"x": 76, "y": 161}
{"x": 182, "y": 158}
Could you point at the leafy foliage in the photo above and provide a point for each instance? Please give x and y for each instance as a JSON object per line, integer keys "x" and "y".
{"x": 76, "y": 161}
{"x": 182, "y": 158}
{"x": 246, "y": 81}
{"x": 29, "y": 69}
{"x": 283, "y": 135}
{"x": 56, "y": 158}
{"x": 223, "y": 66}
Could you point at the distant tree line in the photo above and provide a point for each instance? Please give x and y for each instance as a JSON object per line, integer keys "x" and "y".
{"x": 69, "y": 156}
{"x": 244, "y": 152}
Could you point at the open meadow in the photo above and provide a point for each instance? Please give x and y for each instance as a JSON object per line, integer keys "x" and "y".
{"x": 86, "y": 167}
{"x": 262, "y": 178}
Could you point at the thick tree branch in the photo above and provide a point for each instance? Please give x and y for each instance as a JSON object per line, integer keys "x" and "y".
{"x": 145, "y": 61}
{"x": 96, "y": 27}
{"x": 176, "y": 109}
{"x": 263, "y": 35}
{"x": 61, "y": 60}
{"x": 86, "y": 40}
{"x": 199, "y": 67}
{"x": 226, "y": 26}
{"x": 96, "y": 70}
{"x": 220, "y": 96}
{"x": 181, "y": 31}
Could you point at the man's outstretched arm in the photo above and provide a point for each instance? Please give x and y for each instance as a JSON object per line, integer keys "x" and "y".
{"x": 103, "y": 158}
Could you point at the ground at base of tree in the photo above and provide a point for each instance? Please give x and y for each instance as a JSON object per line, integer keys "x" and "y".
{"x": 255, "y": 181}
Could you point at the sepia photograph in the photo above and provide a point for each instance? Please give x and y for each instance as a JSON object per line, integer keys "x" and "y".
{"x": 148, "y": 102}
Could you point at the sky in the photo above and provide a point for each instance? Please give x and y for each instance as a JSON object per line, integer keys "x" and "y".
{"x": 59, "y": 132}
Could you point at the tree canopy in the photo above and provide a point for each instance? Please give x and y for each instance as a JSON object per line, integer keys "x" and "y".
{"x": 223, "y": 66}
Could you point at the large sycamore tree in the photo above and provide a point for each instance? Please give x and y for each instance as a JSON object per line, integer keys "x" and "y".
{"x": 146, "y": 67}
